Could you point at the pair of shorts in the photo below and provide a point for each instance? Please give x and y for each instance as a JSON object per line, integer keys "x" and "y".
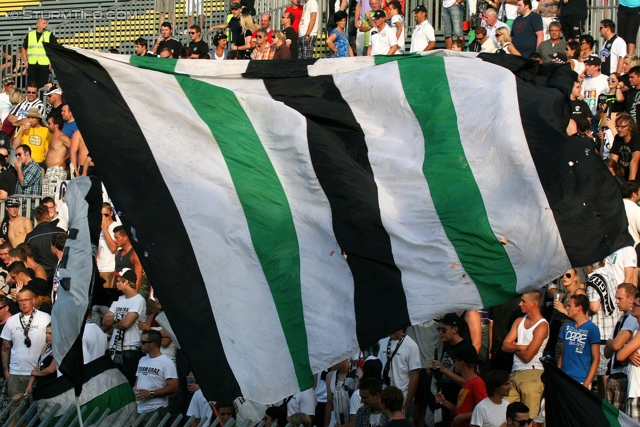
{"x": 616, "y": 392}
{"x": 166, "y": 6}
{"x": 572, "y": 26}
{"x": 192, "y": 6}
{"x": 452, "y": 18}
{"x": 628, "y": 23}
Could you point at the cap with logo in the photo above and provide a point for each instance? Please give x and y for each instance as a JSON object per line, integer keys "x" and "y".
{"x": 127, "y": 274}
{"x": 379, "y": 14}
{"x": 420, "y": 8}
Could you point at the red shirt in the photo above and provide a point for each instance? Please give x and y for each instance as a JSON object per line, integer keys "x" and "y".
{"x": 471, "y": 393}
{"x": 297, "y": 12}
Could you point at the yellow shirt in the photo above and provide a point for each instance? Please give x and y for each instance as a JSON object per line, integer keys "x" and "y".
{"x": 38, "y": 140}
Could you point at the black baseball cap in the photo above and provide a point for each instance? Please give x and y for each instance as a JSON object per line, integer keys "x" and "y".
{"x": 420, "y": 8}
{"x": 379, "y": 14}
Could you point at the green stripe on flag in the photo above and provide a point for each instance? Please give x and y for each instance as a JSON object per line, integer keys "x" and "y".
{"x": 265, "y": 206}
{"x": 166, "y": 65}
{"x": 611, "y": 413}
{"x": 455, "y": 193}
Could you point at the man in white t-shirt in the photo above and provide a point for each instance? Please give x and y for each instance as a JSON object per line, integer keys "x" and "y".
{"x": 24, "y": 335}
{"x": 492, "y": 411}
{"x": 200, "y": 408}
{"x": 400, "y": 357}
{"x": 631, "y": 197}
{"x": 595, "y": 83}
{"x": 383, "y": 37}
{"x": 308, "y": 29}
{"x": 94, "y": 341}
{"x": 304, "y": 402}
{"x": 123, "y": 317}
{"x": 613, "y": 50}
{"x": 423, "y": 37}
{"x": 157, "y": 378}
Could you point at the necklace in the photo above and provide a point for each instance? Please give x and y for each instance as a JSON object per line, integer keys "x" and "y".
{"x": 25, "y": 328}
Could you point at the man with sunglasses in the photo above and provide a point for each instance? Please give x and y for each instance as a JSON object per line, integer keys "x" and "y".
{"x": 613, "y": 50}
{"x": 157, "y": 378}
{"x": 18, "y": 116}
{"x": 263, "y": 49}
{"x": 518, "y": 415}
{"x": 23, "y": 337}
{"x": 445, "y": 380}
{"x": 197, "y": 45}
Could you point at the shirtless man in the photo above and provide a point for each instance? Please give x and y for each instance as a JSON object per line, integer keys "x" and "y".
{"x": 56, "y": 156}
{"x": 19, "y": 226}
{"x": 80, "y": 160}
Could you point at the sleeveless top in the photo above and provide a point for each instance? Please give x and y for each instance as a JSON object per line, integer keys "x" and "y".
{"x": 123, "y": 261}
{"x": 524, "y": 337}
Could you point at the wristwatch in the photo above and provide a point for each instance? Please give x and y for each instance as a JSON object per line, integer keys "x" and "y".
{"x": 152, "y": 394}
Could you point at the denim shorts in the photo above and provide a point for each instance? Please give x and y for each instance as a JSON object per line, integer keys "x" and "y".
{"x": 452, "y": 18}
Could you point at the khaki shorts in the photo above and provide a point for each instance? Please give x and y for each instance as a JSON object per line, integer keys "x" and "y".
{"x": 166, "y": 6}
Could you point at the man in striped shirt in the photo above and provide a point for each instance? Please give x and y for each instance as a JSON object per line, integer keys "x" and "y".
{"x": 18, "y": 116}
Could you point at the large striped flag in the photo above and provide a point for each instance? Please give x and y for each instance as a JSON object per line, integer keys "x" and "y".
{"x": 289, "y": 213}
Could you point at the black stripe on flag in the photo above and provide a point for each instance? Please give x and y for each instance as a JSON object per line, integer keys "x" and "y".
{"x": 339, "y": 156}
{"x": 585, "y": 198}
{"x": 283, "y": 69}
{"x": 138, "y": 190}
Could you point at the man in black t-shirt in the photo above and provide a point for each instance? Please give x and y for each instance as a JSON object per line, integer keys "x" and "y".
{"x": 626, "y": 146}
{"x": 392, "y": 400}
{"x": 290, "y": 34}
{"x": 165, "y": 40}
{"x": 197, "y": 45}
{"x": 233, "y": 25}
{"x": 442, "y": 370}
{"x": 8, "y": 175}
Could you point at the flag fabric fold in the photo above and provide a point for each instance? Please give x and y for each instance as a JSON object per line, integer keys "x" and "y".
{"x": 289, "y": 213}
{"x": 76, "y": 277}
{"x": 568, "y": 403}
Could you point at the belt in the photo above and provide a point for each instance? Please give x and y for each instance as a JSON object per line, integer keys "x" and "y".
{"x": 130, "y": 348}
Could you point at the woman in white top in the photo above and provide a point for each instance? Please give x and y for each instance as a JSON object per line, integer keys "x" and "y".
{"x": 575, "y": 60}
{"x": 504, "y": 41}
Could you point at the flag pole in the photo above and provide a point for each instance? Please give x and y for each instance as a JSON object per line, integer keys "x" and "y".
{"x": 78, "y": 409}
{"x": 216, "y": 413}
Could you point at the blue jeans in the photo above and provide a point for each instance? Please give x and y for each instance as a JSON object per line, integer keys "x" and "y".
{"x": 452, "y": 18}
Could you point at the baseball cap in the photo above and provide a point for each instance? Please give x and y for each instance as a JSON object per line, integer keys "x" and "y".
{"x": 558, "y": 55}
{"x": 8, "y": 81}
{"x": 379, "y": 14}
{"x": 127, "y": 274}
{"x": 592, "y": 60}
{"x": 235, "y": 6}
{"x": 420, "y": 8}
{"x": 466, "y": 353}
{"x": 12, "y": 202}
{"x": 450, "y": 319}
{"x": 54, "y": 89}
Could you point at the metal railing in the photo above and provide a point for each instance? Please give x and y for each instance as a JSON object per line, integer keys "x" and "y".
{"x": 98, "y": 418}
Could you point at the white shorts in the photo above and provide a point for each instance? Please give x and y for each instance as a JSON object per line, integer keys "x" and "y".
{"x": 192, "y": 6}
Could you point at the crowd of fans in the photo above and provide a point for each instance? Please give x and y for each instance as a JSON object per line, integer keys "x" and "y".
{"x": 469, "y": 368}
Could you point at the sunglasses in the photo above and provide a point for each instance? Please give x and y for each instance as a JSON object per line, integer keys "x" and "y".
{"x": 31, "y": 93}
{"x": 568, "y": 275}
{"x": 442, "y": 330}
{"x": 145, "y": 342}
{"x": 609, "y": 79}
{"x": 523, "y": 423}
{"x": 192, "y": 32}
{"x": 18, "y": 154}
{"x": 106, "y": 215}
{"x": 260, "y": 37}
